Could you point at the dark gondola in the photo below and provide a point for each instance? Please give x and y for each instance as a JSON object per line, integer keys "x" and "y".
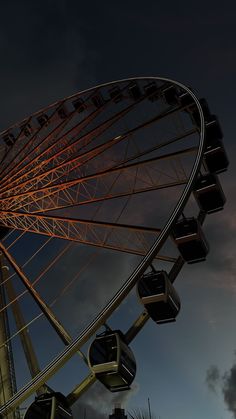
{"x": 9, "y": 139}
{"x": 170, "y": 95}
{"x": 43, "y": 119}
{"x": 62, "y": 112}
{"x": 209, "y": 194}
{"x": 98, "y": 100}
{"x": 173, "y": 96}
{"x": 190, "y": 240}
{"x": 27, "y": 129}
{"x": 49, "y": 406}
{"x": 185, "y": 100}
{"x": 152, "y": 91}
{"x": 159, "y": 297}
{"x": 195, "y": 115}
{"x": 134, "y": 91}
{"x": 112, "y": 361}
{"x": 79, "y": 105}
{"x": 215, "y": 159}
{"x": 116, "y": 94}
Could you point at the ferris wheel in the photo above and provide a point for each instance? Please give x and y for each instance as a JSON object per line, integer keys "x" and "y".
{"x": 100, "y": 192}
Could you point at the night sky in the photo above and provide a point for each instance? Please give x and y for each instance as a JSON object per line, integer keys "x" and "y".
{"x": 52, "y": 49}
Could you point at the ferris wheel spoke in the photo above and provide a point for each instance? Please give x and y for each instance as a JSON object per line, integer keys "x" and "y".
{"x": 16, "y": 298}
{"x": 57, "y": 326}
{"x": 57, "y": 161}
{"x": 85, "y": 195}
{"x": 43, "y": 306}
{"x": 45, "y": 310}
{"x": 63, "y": 168}
{"x": 33, "y": 136}
{"x": 127, "y": 238}
{"x": 57, "y": 298}
{"x": 15, "y": 152}
{"x": 36, "y": 281}
{"x": 119, "y": 237}
{"x": 92, "y": 153}
{"x": 44, "y": 155}
{"x": 97, "y": 187}
{"x": 160, "y": 145}
{"x": 35, "y": 164}
{"x": 20, "y": 323}
{"x": 53, "y": 175}
{"x": 30, "y": 258}
{"x": 16, "y": 240}
{"x": 38, "y": 142}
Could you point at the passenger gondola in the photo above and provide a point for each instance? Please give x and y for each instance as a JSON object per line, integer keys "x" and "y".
{"x": 62, "y": 112}
{"x": 49, "y": 406}
{"x": 190, "y": 240}
{"x": 159, "y": 297}
{"x": 116, "y": 94}
{"x": 135, "y": 91}
{"x": 43, "y": 119}
{"x": 209, "y": 194}
{"x": 195, "y": 115}
{"x": 170, "y": 95}
{"x": 79, "y": 105}
{"x": 112, "y": 361}
{"x": 151, "y": 91}
{"x": 9, "y": 139}
{"x": 215, "y": 159}
{"x": 27, "y": 129}
{"x": 98, "y": 100}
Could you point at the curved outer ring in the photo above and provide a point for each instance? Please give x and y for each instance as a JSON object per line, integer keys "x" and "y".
{"x": 100, "y": 319}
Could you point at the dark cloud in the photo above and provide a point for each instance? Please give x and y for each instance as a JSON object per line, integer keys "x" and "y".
{"x": 227, "y": 383}
{"x": 96, "y": 285}
{"x": 229, "y": 390}
{"x": 212, "y": 377}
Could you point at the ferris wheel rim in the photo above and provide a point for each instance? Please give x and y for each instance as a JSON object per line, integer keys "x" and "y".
{"x": 69, "y": 351}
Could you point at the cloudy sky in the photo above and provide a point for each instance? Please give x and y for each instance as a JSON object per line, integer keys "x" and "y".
{"x": 52, "y": 49}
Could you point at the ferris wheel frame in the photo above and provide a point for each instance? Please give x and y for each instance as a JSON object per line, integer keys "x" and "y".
{"x": 109, "y": 308}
